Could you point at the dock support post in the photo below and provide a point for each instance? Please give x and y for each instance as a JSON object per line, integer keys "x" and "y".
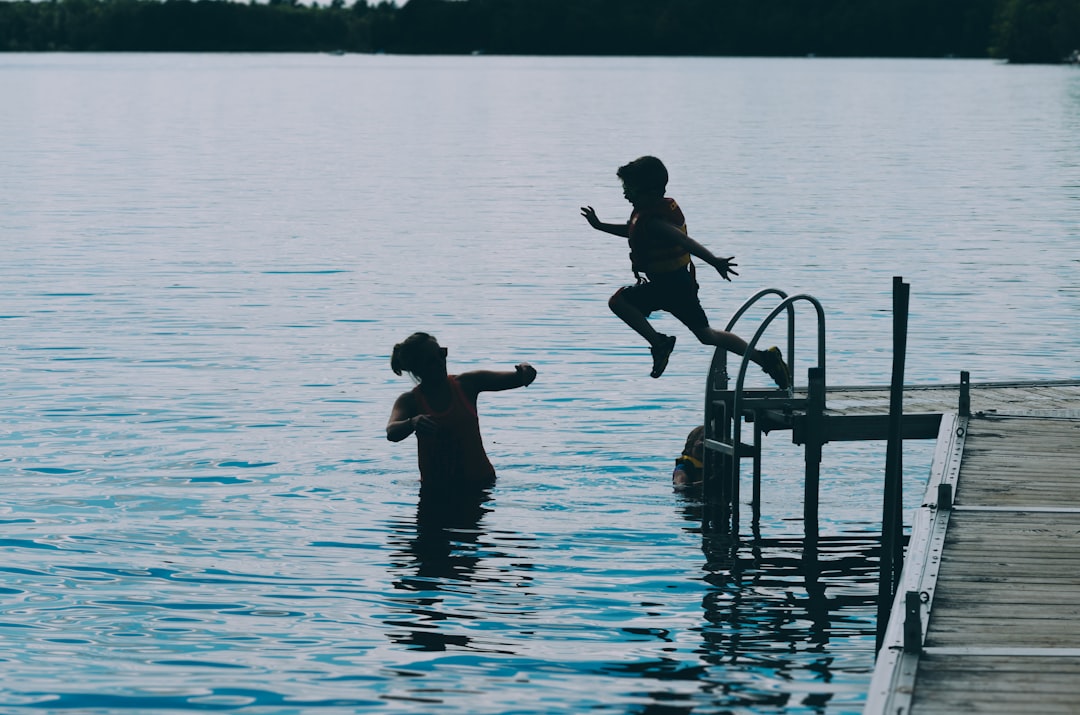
{"x": 965, "y": 393}
{"x": 944, "y": 497}
{"x": 892, "y": 521}
{"x": 721, "y": 493}
{"x": 755, "y": 504}
{"x": 716, "y": 514}
{"x": 815, "y": 412}
{"x": 912, "y": 622}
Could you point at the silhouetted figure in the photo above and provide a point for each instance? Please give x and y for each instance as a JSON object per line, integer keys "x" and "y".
{"x": 689, "y": 466}
{"x": 441, "y": 410}
{"x": 660, "y": 251}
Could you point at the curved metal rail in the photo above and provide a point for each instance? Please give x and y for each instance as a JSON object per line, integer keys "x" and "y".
{"x": 730, "y": 427}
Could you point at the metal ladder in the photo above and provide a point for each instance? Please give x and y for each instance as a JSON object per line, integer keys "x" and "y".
{"x": 726, "y": 410}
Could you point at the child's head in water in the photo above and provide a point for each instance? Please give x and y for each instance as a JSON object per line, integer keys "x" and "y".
{"x": 421, "y": 356}
{"x": 688, "y": 466}
{"x": 695, "y": 443}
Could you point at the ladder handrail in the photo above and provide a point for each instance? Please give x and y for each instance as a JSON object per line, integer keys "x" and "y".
{"x": 736, "y": 408}
{"x": 717, "y": 379}
{"x": 750, "y": 302}
{"x": 718, "y": 369}
{"x": 786, "y": 304}
{"x": 719, "y": 359}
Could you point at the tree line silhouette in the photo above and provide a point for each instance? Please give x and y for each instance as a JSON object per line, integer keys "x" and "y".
{"x": 1020, "y": 31}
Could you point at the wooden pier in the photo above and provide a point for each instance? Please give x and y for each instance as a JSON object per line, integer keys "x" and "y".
{"x": 861, "y": 412}
{"x": 1050, "y": 397}
{"x": 817, "y": 415}
{"x": 984, "y": 615}
{"x": 986, "y": 618}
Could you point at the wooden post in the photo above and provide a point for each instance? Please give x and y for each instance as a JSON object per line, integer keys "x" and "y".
{"x": 944, "y": 497}
{"x": 731, "y": 479}
{"x": 815, "y": 412}
{"x": 965, "y": 393}
{"x": 892, "y": 524}
{"x": 896, "y": 429}
{"x": 755, "y": 505}
{"x": 912, "y": 622}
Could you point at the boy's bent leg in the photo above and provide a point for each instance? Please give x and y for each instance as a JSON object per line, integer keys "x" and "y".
{"x": 662, "y": 345}
{"x": 632, "y": 316}
{"x": 721, "y": 339}
{"x": 770, "y": 360}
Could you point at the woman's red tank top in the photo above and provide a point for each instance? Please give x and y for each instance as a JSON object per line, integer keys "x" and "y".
{"x": 453, "y": 456}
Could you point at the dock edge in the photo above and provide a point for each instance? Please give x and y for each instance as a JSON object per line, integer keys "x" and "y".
{"x": 893, "y": 681}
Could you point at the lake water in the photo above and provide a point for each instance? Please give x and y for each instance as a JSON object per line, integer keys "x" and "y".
{"x": 208, "y": 258}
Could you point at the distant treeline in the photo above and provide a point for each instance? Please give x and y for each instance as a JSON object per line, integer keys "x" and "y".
{"x": 1016, "y": 30}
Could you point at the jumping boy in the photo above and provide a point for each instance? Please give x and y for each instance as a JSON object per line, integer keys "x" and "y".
{"x": 660, "y": 251}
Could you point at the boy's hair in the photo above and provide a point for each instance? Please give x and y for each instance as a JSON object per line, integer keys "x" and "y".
{"x": 646, "y": 173}
{"x": 404, "y": 352}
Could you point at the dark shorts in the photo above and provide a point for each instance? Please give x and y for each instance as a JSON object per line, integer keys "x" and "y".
{"x": 675, "y": 292}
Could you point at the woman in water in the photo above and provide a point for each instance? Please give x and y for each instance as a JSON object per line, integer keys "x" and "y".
{"x": 441, "y": 411}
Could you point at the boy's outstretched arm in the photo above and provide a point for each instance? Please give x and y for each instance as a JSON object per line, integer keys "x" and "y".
{"x": 723, "y": 266}
{"x": 616, "y": 229}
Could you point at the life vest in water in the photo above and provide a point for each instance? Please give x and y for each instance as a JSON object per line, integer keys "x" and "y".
{"x": 688, "y": 471}
{"x": 652, "y": 253}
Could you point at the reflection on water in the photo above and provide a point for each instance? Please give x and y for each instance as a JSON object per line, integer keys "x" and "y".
{"x": 775, "y": 602}
{"x": 439, "y": 552}
{"x": 779, "y": 624}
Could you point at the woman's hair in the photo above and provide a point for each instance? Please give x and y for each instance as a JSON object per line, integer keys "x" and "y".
{"x": 404, "y": 353}
{"x": 646, "y": 173}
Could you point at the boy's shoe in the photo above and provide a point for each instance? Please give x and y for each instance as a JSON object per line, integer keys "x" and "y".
{"x": 776, "y": 368}
{"x": 660, "y": 355}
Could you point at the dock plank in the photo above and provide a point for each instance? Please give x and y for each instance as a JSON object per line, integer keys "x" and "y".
{"x": 1001, "y": 618}
{"x": 1009, "y": 576}
{"x": 999, "y": 684}
{"x": 1060, "y": 397}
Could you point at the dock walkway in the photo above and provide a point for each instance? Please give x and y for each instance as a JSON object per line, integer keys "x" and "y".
{"x": 987, "y": 615}
{"x": 1048, "y": 397}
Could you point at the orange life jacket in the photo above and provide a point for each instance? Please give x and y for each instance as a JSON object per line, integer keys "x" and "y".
{"x": 650, "y": 253}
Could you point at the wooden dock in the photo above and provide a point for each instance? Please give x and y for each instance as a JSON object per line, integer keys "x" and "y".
{"x": 854, "y": 413}
{"x": 987, "y": 614}
{"x": 817, "y": 415}
{"x": 1054, "y": 397}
